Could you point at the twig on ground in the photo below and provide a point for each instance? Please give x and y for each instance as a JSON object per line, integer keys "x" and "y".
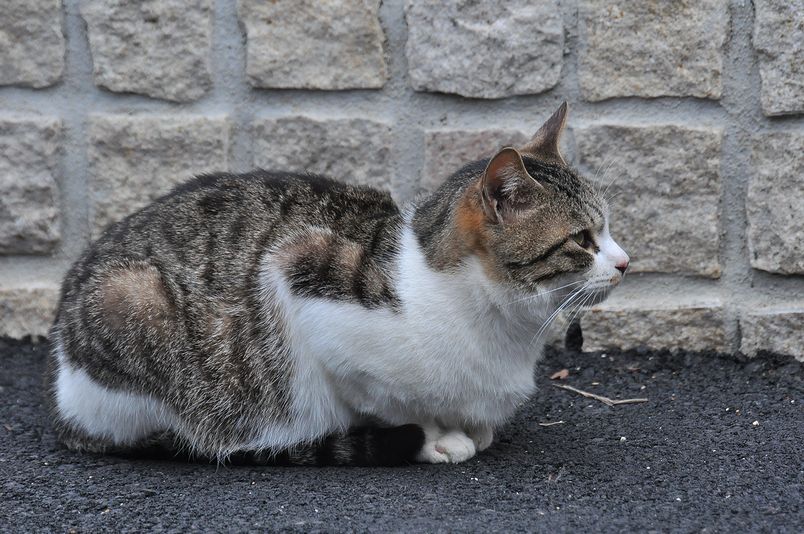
{"x": 605, "y": 400}
{"x": 551, "y": 424}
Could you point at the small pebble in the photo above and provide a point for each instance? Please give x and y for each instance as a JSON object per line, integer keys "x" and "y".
{"x": 622, "y": 438}
{"x": 755, "y": 423}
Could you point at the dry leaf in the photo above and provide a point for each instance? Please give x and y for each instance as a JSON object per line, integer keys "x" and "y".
{"x": 560, "y": 375}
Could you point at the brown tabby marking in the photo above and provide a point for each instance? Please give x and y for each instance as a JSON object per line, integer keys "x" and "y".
{"x": 135, "y": 294}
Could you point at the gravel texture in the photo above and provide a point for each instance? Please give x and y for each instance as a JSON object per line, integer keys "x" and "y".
{"x": 717, "y": 448}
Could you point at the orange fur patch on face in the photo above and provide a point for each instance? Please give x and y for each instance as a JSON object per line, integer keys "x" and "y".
{"x": 471, "y": 224}
{"x": 471, "y": 221}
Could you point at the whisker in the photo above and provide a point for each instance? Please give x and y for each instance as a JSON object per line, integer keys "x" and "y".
{"x": 543, "y": 293}
{"x": 580, "y": 308}
{"x": 613, "y": 196}
{"x": 575, "y": 294}
{"x": 613, "y": 179}
{"x": 576, "y": 308}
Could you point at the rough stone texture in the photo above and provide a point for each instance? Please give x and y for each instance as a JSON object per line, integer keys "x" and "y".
{"x": 27, "y": 310}
{"x": 133, "y": 160}
{"x": 30, "y": 220}
{"x": 446, "y": 151}
{"x": 32, "y": 43}
{"x": 779, "y": 41}
{"x": 651, "y": 48}
{"x": 351, "y": 150}
{"x": 664, "y": 186}
{"x": 159, "y": 48}
{"x": 778, "y": 329}
{"x": 484, "y": 49}
{"x": 628, "y": 325}
{"x": 313, "y": 45}
{"x": 775, "y": 203}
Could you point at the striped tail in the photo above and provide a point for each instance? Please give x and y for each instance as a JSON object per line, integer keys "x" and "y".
{"x": 368, "y": 446}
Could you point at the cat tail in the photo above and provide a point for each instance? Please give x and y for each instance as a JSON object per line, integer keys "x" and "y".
{"x": 368, "y": 446}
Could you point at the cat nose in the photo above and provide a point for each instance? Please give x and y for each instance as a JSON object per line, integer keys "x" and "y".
{"x": 622, "y": 266}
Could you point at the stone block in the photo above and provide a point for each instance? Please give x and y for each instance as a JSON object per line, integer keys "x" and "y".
{"x": 628, "y": 325}
{"x": 30, "y": 214}
{"x": 663, "y": 182}
{"x": 27, "y": 310}
{"x": 156, "y": 48}
{"x": 32, "y": 44}
{"x": 313, "y": 45}
{"x": 778, "y": 329}
{"x": 484, "y": 49}
{"x": 779, "y": 42}
{"x": 446, "y": 151}
{"x": 135, "y": 159}
{"x": 349, "y": 150}
{"x": 775, "y": 203}
{"x": 651, "y": 49}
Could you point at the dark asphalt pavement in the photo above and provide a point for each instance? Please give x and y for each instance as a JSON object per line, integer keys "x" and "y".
{"x": 719, "y": 447}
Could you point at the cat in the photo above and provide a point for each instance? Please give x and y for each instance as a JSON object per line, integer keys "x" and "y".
{"x": 294, "y": 319}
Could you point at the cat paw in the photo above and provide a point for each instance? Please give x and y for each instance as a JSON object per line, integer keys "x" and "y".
{"x": 453, "y": 447}
{"x": 481, "y": 436}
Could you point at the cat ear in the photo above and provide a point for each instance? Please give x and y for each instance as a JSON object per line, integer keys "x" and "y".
{"x": 544, "y": 143}
{"x": 506, "y": 185}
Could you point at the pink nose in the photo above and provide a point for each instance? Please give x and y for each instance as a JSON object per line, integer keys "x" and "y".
{"x": 622, "y": 266}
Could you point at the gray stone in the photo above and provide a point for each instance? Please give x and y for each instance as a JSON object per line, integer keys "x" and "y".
{"x": 775, "y": 203}
{"x": 484, "y": 49}
{"x": 32, "y": 43}
{"x": 651, "y": 48}
{"x": 156, "y": 48}
{"x": 446, "y": 151}
{"x": 313, "y": 45}
{"x": 350, "y": 150}
{"x": 30, "y": 217}
{"x": 133, "y": 160}
{"x": 779, "y": 329}
{"x": 779, "y": 41}
{"x": 27, "y": 310}
{"x": 663, "y": 182}
{"x": 627, "y": 325}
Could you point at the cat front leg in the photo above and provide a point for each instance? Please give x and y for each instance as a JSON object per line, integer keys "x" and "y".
{"x": 481, "y": 435}
{"x": 445, "y": 446}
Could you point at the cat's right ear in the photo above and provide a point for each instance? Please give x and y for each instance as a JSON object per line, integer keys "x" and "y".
{"x": 506, "y": 186}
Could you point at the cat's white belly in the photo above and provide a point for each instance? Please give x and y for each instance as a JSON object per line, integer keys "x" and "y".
{"x": 376, "y": 363}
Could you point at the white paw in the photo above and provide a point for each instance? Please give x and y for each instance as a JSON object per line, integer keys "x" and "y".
{"x": 429, "y": 454}
{"x": 481, "y": 436}
{"x": 452, "y": 447}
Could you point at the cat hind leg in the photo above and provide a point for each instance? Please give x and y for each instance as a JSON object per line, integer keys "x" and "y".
{"x": 91, "y": 417}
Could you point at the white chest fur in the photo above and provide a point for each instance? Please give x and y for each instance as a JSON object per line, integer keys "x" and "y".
{"x": 452, "y": 352}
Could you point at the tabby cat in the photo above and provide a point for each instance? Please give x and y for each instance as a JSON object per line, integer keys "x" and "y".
{"x": 295, "y": 319}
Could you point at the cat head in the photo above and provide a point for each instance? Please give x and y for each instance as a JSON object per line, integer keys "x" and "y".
{"x": 533, "y": 221}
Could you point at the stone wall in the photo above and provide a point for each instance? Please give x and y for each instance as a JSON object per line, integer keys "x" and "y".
{"x": 690, "y": 113}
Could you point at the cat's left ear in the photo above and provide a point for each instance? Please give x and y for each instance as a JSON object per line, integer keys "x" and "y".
{"x": 507, "y": 186}
{"x": 545, "y": 142}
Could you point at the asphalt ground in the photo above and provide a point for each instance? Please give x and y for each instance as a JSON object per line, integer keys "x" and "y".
{"x": 718, "y": 447}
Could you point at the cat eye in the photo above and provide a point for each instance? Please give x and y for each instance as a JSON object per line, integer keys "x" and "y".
{"x": 583, "y": 239}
